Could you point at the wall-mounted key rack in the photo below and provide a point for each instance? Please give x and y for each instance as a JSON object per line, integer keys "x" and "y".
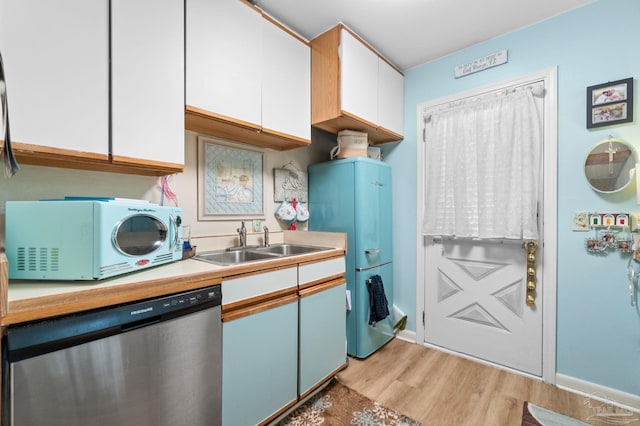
{"x": 611, "y": 232}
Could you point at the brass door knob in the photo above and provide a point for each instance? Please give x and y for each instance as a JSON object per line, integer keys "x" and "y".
{"x": 531, "y": 300}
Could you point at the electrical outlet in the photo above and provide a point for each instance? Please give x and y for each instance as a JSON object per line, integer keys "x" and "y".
{"x": 257, "y": 225}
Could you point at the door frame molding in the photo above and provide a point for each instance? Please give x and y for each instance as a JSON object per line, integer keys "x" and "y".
{"x": 549, "y": 229}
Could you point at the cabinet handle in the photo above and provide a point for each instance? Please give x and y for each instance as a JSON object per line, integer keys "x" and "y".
{"x": 372, "y": 251}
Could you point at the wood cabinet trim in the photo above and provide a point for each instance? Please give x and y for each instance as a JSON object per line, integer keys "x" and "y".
{"x": 282, "y": 27}
{"x": 326, "y": 111}
{"x": 213, "y": 124}
{"x": 256, "y": 300}
{"x": 313, "y": 288}
{"x": 234, "y": 314}
{"x": 147, "y": 164}
{"x": 324, "y": 259}
{"x": 38, "y": 155}
{"x": 325, "y": 76}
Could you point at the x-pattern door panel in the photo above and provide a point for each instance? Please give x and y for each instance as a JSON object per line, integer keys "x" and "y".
{"x": 475, "y": 303}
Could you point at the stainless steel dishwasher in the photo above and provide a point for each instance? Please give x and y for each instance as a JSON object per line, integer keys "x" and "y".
{"x": 154, "y": 362}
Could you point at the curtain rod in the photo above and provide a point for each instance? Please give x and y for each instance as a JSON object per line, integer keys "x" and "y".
{"x": 537, "y": 89}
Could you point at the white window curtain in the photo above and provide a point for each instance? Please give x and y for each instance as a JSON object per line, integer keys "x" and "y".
{"x": 483, "y": 166}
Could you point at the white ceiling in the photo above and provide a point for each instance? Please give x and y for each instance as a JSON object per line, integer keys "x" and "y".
{"x": 413, "y": 32}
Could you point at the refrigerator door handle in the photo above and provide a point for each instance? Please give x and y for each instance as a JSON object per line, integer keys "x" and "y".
{"x": 372, "y": 251}
{"x": 372, "y": 267}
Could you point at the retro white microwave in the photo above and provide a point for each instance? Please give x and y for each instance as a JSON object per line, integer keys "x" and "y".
{"x": 89, "y": 239}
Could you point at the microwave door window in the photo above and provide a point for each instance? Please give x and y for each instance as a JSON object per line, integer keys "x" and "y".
{"x": 140, "y": 235}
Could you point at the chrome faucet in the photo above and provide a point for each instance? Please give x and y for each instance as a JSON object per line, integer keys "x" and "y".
{"x": 266, "y": 237}
{"x": 242, "y": 232}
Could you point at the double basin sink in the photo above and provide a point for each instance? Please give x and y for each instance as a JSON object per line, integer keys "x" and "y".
{"x": 251, "y": 254}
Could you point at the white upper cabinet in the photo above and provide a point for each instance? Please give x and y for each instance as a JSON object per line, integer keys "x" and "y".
{"x": 247, "y": 78}
{"x": 390, "y": 97}
{"x": 224, "y": 59}
{"x": 286, "y": 82}
{"x": 147, "y": 48}
{"x": 353, "y": 87}
{"x": 62, "y": 105}
{"x": 56, "y": 57}
{"x": 358, "y": 78}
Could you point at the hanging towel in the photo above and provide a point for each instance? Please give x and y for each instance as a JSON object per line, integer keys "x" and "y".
{"x": 377, "y": 300}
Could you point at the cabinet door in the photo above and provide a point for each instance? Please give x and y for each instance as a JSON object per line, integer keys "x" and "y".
{"x": 390, "y": 98}
{"x": 223, "y": 58}
{"x": 359, "y": 78}
{"x": 147, "y": 80}
{"x": 259, "y": 364}
{"x": 322, "y": 334}
{"x": 286, "y": 83}
{"x": 56, "y": 64}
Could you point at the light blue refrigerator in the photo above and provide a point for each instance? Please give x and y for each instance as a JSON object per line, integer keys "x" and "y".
{"x": 353, "y": 195}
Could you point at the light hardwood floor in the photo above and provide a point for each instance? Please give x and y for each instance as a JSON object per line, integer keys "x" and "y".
{"x": 441, "y": 389}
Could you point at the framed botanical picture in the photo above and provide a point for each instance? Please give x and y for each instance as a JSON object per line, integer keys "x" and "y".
{"x": 229, "y": 181}
{"x": 610, "y": 103}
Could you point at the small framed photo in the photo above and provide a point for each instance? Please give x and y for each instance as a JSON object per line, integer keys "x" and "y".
{"x": 610, "y": 103}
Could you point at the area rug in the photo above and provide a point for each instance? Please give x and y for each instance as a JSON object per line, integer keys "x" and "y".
{"x": 532, "y": 415}
{"x": 338, "y": 405}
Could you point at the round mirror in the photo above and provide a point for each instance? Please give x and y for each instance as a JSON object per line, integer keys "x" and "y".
{"x": 610, "y": 165}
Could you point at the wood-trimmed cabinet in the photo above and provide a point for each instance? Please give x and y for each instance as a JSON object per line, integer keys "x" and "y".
{"x": 147, "y": 83}
{"x": 322, "y": 323}
{"x": 247, "y": 76}
{"x": 57, "y": 67}
{"x": 355, "y": 88}
{"x": 284, "y": 335}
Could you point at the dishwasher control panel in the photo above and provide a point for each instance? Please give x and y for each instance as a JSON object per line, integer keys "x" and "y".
{"x": 175, "y": 302}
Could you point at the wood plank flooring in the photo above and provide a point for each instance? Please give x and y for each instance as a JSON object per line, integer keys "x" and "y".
{"x": 441, "y": 389}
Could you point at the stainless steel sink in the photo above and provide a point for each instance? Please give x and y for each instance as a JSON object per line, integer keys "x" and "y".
{"x": 290, "y": 249}
{"x": 252, "y": 254}
{"x": 234, "y": 257}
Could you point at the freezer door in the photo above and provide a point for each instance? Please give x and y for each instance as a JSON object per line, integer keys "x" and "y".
{"x": 372, "y": 214}
{"x": 362, "y": 338}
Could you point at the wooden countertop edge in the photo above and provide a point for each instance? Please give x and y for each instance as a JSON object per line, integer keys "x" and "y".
{"x": 35, "y": 308}
{"x": 65, "y": 303}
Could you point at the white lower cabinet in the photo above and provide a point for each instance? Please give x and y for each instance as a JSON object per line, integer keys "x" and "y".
{"x": 259, "y": 367}
{"x": 283, "y": 334}
{"x": 322, "y": 334}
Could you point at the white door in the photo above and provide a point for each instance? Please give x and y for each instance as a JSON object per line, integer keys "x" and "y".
{"x": 475, "y": 302}
{"x": 473, "y": 293}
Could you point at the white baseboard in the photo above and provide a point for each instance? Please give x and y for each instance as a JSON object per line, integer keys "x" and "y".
{"x": 601, "y": 398}
{"x": 407, "y": 336}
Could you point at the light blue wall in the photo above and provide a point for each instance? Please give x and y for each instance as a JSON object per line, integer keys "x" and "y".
{"x": 598, "y": 336}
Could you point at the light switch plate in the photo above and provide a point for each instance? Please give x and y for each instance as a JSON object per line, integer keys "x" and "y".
{"x": 580, "y": 221}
